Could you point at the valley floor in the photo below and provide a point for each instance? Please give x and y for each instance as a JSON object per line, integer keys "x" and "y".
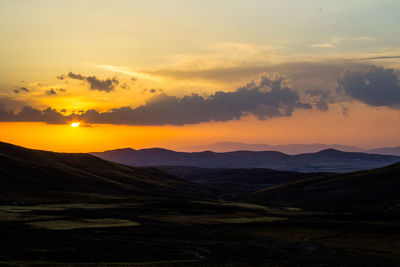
{"x": 125, "y": 231}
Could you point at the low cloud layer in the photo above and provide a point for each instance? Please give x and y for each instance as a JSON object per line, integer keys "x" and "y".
{"x": 375, "y": 87}
{"x": 269, "y": 99}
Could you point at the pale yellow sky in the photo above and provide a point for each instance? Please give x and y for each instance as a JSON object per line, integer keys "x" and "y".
{"x": 157, "y": 50}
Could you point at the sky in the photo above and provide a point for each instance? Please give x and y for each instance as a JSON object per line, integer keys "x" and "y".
{"x": 182, "y": 73}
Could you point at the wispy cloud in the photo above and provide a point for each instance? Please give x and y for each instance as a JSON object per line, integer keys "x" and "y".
{"x": 127, "y": 71}
{"x": 336, "y": 41}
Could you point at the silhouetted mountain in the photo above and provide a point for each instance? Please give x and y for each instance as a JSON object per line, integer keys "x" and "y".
{"x": 291, "y": 149}
{"x": 386, "y": 151}
{"x": 324, "y": 161}
{"x": 40, "y": 172}
{"x": 366, "y": 191}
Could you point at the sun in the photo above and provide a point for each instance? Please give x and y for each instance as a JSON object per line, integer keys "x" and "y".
{"x": 75, "y": 124}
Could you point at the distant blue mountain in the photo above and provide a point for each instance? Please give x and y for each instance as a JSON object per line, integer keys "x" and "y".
{"x": 329, "y": 160}
{"x": 291, "y": 149}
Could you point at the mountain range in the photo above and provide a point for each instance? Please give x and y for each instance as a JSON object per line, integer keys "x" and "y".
{"x": 291, "y": 149}
{"x": 329, "y": 160}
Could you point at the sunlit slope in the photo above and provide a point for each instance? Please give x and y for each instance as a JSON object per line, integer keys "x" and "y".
{"x": 26, "y": 170}
{"x": 372, "y": 191}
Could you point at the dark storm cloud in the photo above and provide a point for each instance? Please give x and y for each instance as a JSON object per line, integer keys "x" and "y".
{"x": 106, "y": 85}
{"x": 376, "y": 86}
{"x": 269, "y": 99}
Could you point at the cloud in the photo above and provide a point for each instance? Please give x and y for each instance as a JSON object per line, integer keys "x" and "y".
{"x": 125, "y": 86}
{"x": 106, "y": 85}
{"x": 51, "y": 92}
{"x": 335, "y": 41}
{"x": 321, "y": 98}
{"x": 102, "y": 85}
{"x": 61, "y": 77}
{"x": 21, "y": 89}
{"x": 271, "y": 98}
{"x": 75, "y": 76}
{"x": 10, "y": 103}
{"x": 345, "y": 111}
{"x": 376, "y": 86}
{"x": 29, "y": 114}
{"x": 378, "y": 57}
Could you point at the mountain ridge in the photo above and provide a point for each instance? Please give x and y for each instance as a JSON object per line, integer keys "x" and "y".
{"x": 328, "y": 160}
{"x": 291, "y": 149}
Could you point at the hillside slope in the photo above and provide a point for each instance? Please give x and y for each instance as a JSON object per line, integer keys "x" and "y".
{"x": 236, "y": 183}
{"x": 366, "y": 191}
{"x": 41, "y": 172}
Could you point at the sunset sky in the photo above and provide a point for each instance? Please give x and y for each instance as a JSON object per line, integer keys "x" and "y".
{"x": 182, "y": 73}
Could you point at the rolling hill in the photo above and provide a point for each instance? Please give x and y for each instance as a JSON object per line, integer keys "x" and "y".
{"x": 236, "y": 183}
{"x": 329, "y": 160}
{"x": 373, "y": 191}
{"x": 37, "y": 173}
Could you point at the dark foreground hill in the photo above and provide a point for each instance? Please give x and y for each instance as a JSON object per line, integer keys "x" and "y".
{"x": 329, "y": 160}
{"x": 38, "y": 173}
{"x": 374, "y": 191}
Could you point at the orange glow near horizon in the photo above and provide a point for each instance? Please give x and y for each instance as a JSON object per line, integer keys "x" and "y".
{"x": 358, "y": 129}
{"x": 75, "y": 124}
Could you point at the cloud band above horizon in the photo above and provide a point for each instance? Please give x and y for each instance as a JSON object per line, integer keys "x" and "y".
{"x": 271, "y": 98}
